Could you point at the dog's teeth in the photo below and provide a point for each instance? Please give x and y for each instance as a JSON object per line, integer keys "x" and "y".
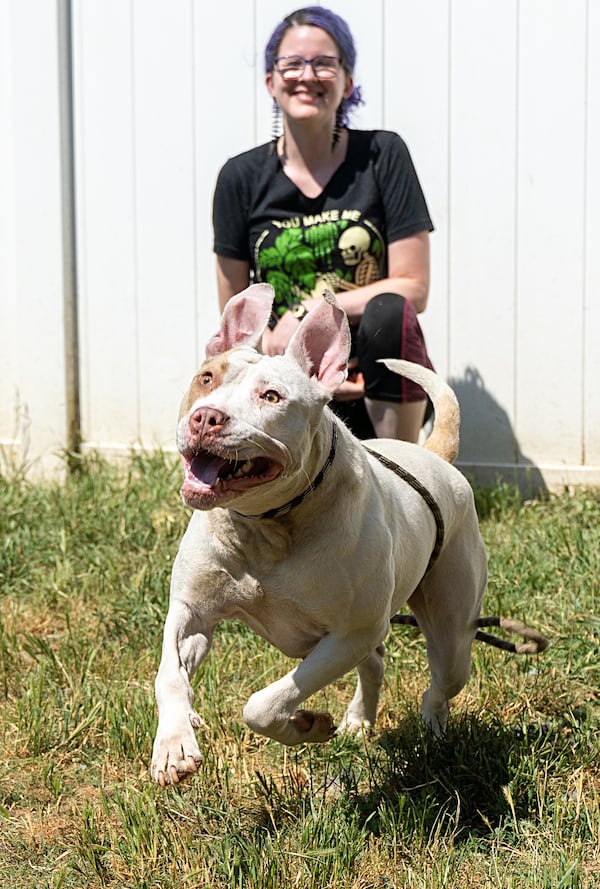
{"x": 243, "y": 469}
{"x": 240, "y": 470}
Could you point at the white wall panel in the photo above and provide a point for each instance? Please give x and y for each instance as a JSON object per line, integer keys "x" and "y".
{"x": 31, "y": 314}
{"x": 499, "y": 103}
{"x": 106, "y": 210}
{"x": 416, "y": 93}
{"x": 8, "y": 265}
{"x": 591, "y": 293}
{"x": 550, "y": 228}
{"x": 370, "y": 58}
{"x": 483, "y": 70}
{"x": 225, "y": 118}
{"x": 165, "y": 215}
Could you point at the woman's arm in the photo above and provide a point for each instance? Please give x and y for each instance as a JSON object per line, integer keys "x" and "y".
{"x": 408, "y": 275}
{"x": 233, "y": 276}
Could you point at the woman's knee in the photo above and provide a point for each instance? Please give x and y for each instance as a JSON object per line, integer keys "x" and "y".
{"x": 383, "y": 324}
{"x": 390, "y": 328}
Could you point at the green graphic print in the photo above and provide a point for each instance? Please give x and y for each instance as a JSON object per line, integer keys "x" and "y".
{"x": 300, "y": 260}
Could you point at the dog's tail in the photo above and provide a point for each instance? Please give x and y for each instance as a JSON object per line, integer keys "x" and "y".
{"x": 445, "y": 435}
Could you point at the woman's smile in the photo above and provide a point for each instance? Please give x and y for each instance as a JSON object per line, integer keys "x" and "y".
{"x": 308, "y": 91}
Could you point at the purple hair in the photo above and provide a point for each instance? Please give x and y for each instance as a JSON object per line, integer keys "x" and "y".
{"x": 338, "y": 30}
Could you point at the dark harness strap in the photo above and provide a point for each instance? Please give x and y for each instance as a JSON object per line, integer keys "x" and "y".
{"x": 292, "y": 504}
{"x": 410, "y": 479}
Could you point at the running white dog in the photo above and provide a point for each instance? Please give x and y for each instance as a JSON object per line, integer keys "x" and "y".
{"x": 302, "y": 532}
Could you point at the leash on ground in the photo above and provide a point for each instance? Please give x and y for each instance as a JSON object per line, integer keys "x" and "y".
{"x": 534, "y": 642}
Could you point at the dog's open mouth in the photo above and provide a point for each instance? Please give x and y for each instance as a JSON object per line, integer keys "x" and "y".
{"x": 209, "y": 477}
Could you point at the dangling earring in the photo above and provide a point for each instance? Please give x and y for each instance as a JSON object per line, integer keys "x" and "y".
{"x": 275, "y": 125}
{"x": 337, "y": 130}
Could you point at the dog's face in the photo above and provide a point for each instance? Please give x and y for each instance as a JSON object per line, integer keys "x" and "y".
{"x": 242, "y": 425}
{"x": 248, "y": 419}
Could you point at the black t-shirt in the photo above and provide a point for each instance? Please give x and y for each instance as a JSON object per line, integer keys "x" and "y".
{"x": 337, "y": 240}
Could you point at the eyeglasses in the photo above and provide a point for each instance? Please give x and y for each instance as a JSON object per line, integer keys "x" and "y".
{"x": 292, "y": 67}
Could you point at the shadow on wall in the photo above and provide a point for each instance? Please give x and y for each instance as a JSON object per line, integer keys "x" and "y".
{"x": 489, "y": 450}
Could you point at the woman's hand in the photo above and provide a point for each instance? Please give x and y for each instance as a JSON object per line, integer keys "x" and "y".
{"x": 353, "y": 387}
{"x": 275, "y": 341}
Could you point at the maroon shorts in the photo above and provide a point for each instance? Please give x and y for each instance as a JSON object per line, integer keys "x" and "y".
{"x": 389, "y": 328}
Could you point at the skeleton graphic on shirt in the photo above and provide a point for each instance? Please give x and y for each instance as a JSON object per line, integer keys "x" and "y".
{"x": 301, "y": 261}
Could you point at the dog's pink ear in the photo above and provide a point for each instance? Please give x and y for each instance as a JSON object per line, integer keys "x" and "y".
{"x": 321, "y": 345}
{"x": 243, "y": 320}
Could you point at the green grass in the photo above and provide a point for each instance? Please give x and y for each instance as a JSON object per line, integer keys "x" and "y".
{"x": 509, "y": 797}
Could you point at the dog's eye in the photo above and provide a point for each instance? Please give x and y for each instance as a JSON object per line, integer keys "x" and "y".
{"x": 205, "y": 379}
{"x": 271, "y": 396}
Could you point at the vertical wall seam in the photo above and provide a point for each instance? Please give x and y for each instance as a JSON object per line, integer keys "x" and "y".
{"x": 515, "y": 418}
{"x": 449, "y": 199}
{"x": 135, "y": 239}
{"x": 256, "y": 68}
{"x": 194, "y": 125}
{"x": 584, "y": 242}
{"x": 383, "y": 62}
{"x": 69, "y": 234}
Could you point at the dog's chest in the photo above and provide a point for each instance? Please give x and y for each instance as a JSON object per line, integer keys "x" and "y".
{"x": 282, "y": 622}
{"x": 258, "y": 574}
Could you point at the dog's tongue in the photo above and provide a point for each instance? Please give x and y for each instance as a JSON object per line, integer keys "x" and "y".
{"x": 206, "y": 467}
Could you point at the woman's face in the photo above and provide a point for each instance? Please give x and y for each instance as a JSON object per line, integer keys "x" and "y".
{"x": 308, "y": 97}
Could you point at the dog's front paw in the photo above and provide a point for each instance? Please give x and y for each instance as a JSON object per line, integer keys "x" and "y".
{"x": 176, "y": 754}
{"x": 313, "y": 725}
{"x": 290, "y": 727}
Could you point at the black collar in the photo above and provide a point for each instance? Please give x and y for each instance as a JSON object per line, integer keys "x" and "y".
{"x": 300, "y": 498}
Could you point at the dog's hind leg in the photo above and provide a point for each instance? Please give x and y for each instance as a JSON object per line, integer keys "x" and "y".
{"x": 362, "y": 712}
{"x": 447, "y": 606}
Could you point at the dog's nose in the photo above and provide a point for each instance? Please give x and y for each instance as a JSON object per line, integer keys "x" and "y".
{"x": 207, "y": 421}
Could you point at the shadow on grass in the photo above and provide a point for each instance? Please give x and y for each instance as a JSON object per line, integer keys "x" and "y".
{"x": 480, "y": 777}
{"x": 409, "y": 783}
{"x": 461, "y": 777}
